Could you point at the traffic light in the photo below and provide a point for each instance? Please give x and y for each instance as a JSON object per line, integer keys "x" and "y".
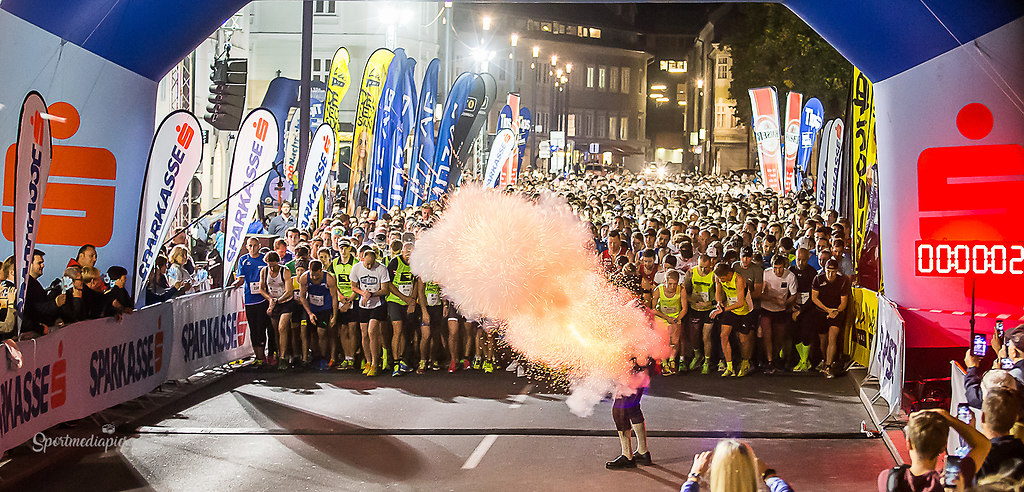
{"x": 227, "y": 93}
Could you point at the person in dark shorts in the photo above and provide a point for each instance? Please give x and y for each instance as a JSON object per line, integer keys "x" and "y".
{"x": 371, "y": 281}
{"x": 248, "y": 274}
{"x": 700, "y": 288}
{"x": 734, "y": 306}
{"x": 348, "y": 317}
{"x": 318, "y": 292}
{"x": 432, "y": 307}
{"x": 829, "y": 293}
{"x": 276, "y": 288}
{"x": 805, "y": 331}
{"x": 629, "y": 419}
{"x": 401, "y": 302}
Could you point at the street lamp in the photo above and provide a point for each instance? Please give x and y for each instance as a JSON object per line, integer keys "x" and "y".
{"x": 568, "y": 68}
{"x": 486, "y": 20}
{"x": 554, "y": 60}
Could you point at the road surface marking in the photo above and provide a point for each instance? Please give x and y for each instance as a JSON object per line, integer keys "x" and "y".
{"x": 518, "y": 400}
{"x": 479, "y": 452}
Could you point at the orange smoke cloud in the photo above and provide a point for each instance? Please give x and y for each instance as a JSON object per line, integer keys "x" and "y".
{"x": 529, "y": 265}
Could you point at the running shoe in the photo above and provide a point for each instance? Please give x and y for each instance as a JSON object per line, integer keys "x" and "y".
{"x": 695, "y": 362}
{"x": 513, "y": 366}
{"x": 728, "y": 371}
{"x": 402, "y": 366}
{"x": 721, "y": 365}
{"x": 362, "y": 366}
{"x": 371, "y": 372}
{"x": 333, "y": 364}
{"x": 488, "y": 367}
{"x": 829, "y": 372}
{"x": 435, "y": 366}
{"x": 477, "y": 364}
{"x": 466, "y": 364}
{"x": 422, "y": 368}
{"x": 271, "y": 360}
{"x": 769, "y": 369}
{"x": 744, "y": 369}
{"x": 321, "y": 365}
{"x": 803, "y": 366}
{"x": 282, "y": 364}
{"x": 820, "y": 367}
{"x": 345, "y": 365}
{"x": 397, "y": 372}
{"x": 666, "y": 369}
{"x": 453, "y": 367}
{"x": 257, "y": 363}
{"x": 705, "y": 369}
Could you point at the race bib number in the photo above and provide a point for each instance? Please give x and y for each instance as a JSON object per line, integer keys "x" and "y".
{"x": 316, "y": 300}
{"x": 433, "y": 299}
{"x": 804, "y": 297}
{"x": 669, "y": 309}
{"x": 254, "y": 287}
{"x": 704, "y": 296}
{"x": 732, "y": 300}
{"x": 405, "y": 289}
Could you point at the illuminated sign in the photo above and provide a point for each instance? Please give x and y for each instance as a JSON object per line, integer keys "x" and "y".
{"x": 968, "y": 258}
{"x": 673, "y": 66}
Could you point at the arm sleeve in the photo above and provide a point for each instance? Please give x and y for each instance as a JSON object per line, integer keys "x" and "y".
{"x": 972, "y": 387}
{"x": 776, "y": 484}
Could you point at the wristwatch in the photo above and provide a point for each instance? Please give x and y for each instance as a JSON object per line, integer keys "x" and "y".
{"x": 770, "y": 472}
{"x": 694, "y": 475}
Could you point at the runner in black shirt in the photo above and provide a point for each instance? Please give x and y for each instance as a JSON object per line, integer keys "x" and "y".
{"x": 805, "y": 331}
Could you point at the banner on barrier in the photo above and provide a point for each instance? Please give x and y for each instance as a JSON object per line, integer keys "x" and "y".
{"x": 82, "y": 369}
{"x": 888, "y": 359}
{"x": 209, "y": 331}
{"x": 861, "y": 324}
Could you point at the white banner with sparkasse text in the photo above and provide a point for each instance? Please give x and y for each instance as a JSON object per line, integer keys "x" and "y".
{"x": 31, "y": 172}
{"x": 318, "y": 164}
{"x": 889, "y": 353}
{"x": 255, "y": 150}
{"x": 209, "y": 331}
{"x": 174, "y": 158}
{"x": 81, "y": 369}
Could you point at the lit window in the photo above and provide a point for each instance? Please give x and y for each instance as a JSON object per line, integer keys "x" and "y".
{"x": 613, "y": 79}
{"x": 545, "y": 26}
{"x": 601, "y": 77}
{"x": 625, "y": 80}
{"x": 623, "y": 126}
{"x": 595, "y": 33}
{"x": 590, "y": 77}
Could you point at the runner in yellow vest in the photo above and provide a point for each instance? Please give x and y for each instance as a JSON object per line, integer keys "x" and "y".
{"x": 700, "y": 284}
{"x": 733, "y": 305}
{"x": 348, "y": 318}
{"x": 429, "y": 299}
{"x": 669, "y": 308}
{"x": 401, "y": 307}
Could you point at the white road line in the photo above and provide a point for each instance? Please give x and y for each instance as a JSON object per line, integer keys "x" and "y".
{"x": 479, "y": 452}
{"x": 518, "y": 400}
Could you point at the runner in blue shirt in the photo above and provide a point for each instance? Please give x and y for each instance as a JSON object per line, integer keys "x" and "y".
{"x": 248, "y": 273}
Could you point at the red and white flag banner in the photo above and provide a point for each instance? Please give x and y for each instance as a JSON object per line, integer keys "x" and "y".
{"x": 765, "y": 104}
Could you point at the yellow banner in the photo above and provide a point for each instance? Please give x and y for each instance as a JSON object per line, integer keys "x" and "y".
{"x": 337, "y": 87}
{"x": 366, "y": 113}
{"x": 862, "y": 124}
{"x": 861, "y": 320}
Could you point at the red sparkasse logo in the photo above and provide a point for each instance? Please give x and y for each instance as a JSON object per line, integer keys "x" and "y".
{"x": 261, "y": 126}
{"x": 185, "y": 134}
{"x": 85, "y": 211}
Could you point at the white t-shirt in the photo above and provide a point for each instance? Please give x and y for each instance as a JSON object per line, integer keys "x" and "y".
{"x": 776, "y": 289}
{"x": 370, "y": 280}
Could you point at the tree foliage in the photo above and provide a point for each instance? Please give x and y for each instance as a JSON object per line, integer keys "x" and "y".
{"x": 771, "y": 46}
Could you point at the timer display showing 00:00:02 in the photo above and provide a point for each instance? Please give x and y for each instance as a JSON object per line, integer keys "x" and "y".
{"x": 949, "y": 259}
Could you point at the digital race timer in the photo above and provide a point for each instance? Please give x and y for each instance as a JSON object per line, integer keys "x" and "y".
{"x": 965, "y": 258}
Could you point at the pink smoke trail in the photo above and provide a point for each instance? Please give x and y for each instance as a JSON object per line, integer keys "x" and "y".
{"x": 529, "y": 265}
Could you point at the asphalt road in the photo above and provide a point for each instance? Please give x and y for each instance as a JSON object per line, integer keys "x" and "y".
{"x": 471, "y": 431}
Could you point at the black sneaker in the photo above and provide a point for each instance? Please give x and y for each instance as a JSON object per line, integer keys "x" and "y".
{"x": 643, "y": 459}
{"x": 620, "y": 463}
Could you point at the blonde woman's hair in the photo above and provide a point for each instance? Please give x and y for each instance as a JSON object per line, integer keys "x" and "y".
{"x": 733, "y": 467}
{"x": 178, "y": 251}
